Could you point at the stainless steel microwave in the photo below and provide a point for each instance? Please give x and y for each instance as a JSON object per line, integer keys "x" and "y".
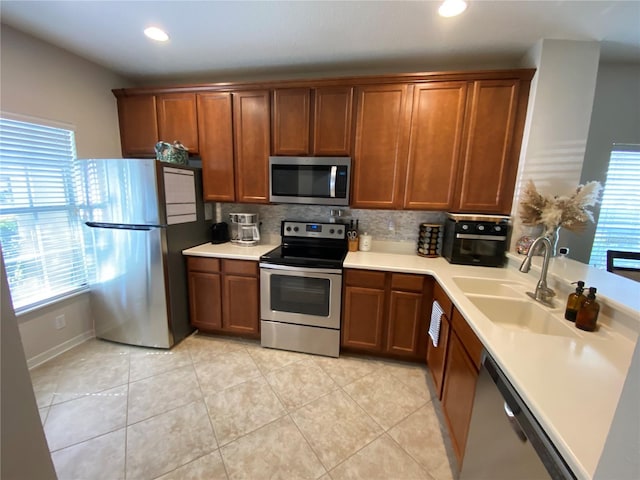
{"x": 310, "y": 180}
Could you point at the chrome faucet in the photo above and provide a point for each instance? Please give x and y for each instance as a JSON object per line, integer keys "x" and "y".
{"x": 543, "y": 293}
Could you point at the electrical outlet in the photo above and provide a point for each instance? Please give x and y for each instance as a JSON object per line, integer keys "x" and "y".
{"x": 60, "y": 322}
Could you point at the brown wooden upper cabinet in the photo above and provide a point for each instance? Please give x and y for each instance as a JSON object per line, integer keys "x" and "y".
{"x": 493, "y": 135}
{"x": 291, "y": 117}
{"x": 463, "y": 142}
{"x": 437, "y": 122}
{"x": 443, "y": 141}
{"x": 383, "y": 113}
{"x": 251, "y": 140}
{"x": 138, "y": 125}
{"x": 332, "y": 123}
{"x": 312, "y": 121}
{"x": 146, "y": 119}
{"x": 215, "y": 138}
{"x": 177, "y": 119}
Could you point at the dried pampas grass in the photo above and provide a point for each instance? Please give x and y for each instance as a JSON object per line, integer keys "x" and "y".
{"x": 570, "y": 212}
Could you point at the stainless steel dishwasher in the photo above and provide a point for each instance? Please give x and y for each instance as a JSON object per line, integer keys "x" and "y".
{"x": 505, "y": 441}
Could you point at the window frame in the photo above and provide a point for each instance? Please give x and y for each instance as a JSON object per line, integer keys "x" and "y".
{"x": 71, "y": 243}
{"x": 612, "y": 201}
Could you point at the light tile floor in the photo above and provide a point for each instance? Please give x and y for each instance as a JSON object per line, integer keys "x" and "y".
{"x": 225, "y": 408}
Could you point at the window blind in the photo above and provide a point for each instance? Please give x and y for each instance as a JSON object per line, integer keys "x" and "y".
{"x": 42, "y": 241}
{"x": 619, "y": 221}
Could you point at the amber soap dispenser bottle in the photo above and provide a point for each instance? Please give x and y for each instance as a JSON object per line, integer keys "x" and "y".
{"x": 575, "y": 302}
{"x": 588, "y": 314}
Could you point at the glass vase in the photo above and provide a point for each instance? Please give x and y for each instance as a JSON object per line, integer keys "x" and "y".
{"x": 529, "y": 234}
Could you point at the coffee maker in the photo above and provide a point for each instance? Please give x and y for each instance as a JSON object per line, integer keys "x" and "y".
{"x": 244, "y": 228}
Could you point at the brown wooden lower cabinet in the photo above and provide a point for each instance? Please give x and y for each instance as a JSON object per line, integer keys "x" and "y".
{"x": 204, "y": 302}
{"x": 240, "y": 304}
{"x": 460, "y": 378}
{"x": 205, "y": 292}
{"x": 457, "y": 398}
{"x": 405, "y": 317}
{"x": 224, "y": 295}
{"x": 383, "y": 313}
{"x": 363, "y": 318}
{"x": 436, "y": 356}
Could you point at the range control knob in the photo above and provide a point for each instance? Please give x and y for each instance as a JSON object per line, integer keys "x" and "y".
{"x": 288, "y": 229}
{"x": 332, "y": 231}
{"x": 339, "y": 231}
{"x": 481, "y": 228}
{"x": 295, "y": 229}
{"x": 465, "y": 226}
{"x": 497, "y": 228}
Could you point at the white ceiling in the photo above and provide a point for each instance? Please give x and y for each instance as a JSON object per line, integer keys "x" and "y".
{"x": 214, "y": 39}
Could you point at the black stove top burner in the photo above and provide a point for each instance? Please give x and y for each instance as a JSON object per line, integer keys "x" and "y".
{"x": 303, "y": 257}
{"x": 314, "y": 245}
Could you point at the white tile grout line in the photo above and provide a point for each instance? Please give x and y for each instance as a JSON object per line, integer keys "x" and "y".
{"x": 382, "y": 362}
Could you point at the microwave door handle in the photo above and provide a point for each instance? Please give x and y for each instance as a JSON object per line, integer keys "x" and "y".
{"x": 332, "y": 181}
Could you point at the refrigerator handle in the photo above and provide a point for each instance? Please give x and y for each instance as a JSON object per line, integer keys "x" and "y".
{"x": 120, "y": 226}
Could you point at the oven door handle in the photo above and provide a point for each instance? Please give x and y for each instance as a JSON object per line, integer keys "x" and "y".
{"x": 271, "y": 266}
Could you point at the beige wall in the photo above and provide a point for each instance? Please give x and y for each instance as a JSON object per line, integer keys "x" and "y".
{"x": 45, "y": 82}
{"x": 615, "y": 119}
{"x": 43, "y": 341}
{"x": 558, "y": 118}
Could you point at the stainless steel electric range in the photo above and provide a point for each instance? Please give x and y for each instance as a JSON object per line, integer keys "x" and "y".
{"x": 301, "y": 288}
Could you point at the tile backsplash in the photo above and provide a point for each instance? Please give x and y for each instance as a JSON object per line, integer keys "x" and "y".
{"x": 387, "y": 225}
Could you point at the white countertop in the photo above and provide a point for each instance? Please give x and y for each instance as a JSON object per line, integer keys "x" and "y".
{"x": 572, "y": 385}
{"x": 229, "y": 250}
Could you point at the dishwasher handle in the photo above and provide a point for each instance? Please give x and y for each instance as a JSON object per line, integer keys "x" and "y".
{"x": 514, "y": 423}
{"x": 525, "y": 422}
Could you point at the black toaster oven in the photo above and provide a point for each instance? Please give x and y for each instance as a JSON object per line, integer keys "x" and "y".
{"x": 476, "y": 239}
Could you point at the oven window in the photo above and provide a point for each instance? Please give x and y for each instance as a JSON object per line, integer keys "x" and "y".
{"x": 303, "y": 295}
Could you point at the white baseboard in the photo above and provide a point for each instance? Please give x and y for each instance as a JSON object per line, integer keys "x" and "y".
{"x": 59, "y": 349}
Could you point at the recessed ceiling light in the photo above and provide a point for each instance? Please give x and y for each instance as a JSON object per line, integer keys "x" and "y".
{"x": 156, "y": 34}
{"x": 451, "y": 8}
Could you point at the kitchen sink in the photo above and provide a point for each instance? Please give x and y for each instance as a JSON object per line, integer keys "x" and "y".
{"x": 483, "y": 286}
{"x": 524, "y": 315}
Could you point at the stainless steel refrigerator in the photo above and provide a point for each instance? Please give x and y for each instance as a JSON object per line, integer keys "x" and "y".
{"x": 139, "y": 214}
